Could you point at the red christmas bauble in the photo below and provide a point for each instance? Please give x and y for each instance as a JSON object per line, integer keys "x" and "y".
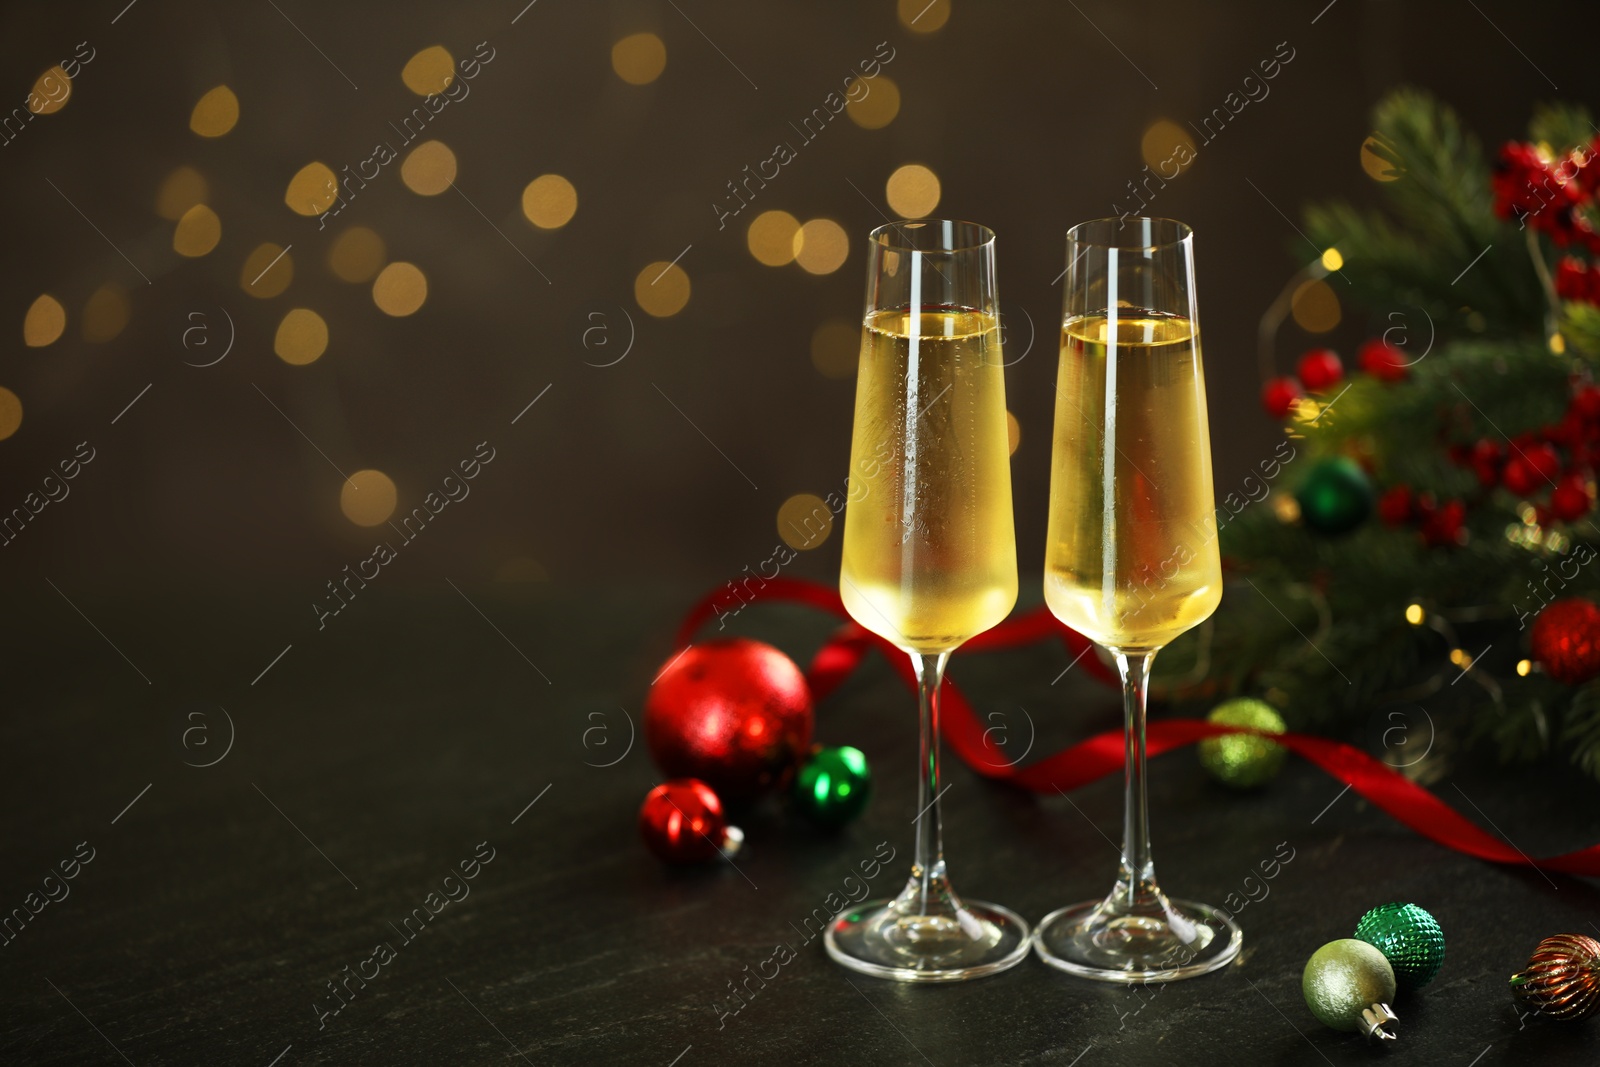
{"x": 682, "y": 822}
{"x": 732, "y": 712}
{"x": 1570, "y": 499}
{"x": 1320, "y": 369}
{"x": 1565, "y": 639}
{"x": 1278, "y": 397}
{"x": 1383, "y": 361}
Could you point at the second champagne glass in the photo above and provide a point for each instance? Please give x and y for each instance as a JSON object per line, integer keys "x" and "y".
{"x": 930, "y": 555}
{"x": 1131, "y": 559}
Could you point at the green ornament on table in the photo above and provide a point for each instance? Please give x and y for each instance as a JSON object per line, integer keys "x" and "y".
{"x": 1244, "y": 761}
{"x": 833, "y": 785}
{"x": 1409, "y": 938}
{"x": 1348, "y": 986}
{"x": 1336, "y": 496}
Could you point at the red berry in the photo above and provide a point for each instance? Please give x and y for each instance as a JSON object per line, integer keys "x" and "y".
{"x": 1383, "y": 361}
{"x": 1530, "y": 467}
{"x": 1546, "y": 462}
{"x": 1586, "y": 402}
{"x": 1443, "y": 527}
{"x": 1320, "y": 369}
{"x": 1570, "y": 499}
{"x": 1572, "y": 279}
{"x": 1278, "y": 397}
{"x": 1394, "y": 506}
{"x": 1485, "y": 459}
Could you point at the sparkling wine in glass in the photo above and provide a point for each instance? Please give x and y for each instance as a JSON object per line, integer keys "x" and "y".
{"x": 930, "y": 554}
{"x": 1131, "y": 557}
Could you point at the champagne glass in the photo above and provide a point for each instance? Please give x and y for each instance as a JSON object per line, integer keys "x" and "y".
{"x": 930, "y": 555}
{"x": 1131, "y": 558}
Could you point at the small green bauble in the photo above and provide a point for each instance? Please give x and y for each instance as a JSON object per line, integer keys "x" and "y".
{"x": 1344, "y": 978}
{"x": 1409, "y": 939}
{"x": 1243, "y": 761}
{"x": 833, "y": 785}
{"x": 1336, "y": 496}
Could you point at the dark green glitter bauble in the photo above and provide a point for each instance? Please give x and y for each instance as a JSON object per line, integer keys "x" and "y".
{"x": 1409, "y": 939}
{"x": 833, "y": 785}
{"x": 1336, "y": 496}
{"x": 1243, "y": 761}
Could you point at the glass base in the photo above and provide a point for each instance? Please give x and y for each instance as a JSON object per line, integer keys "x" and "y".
{"x": 890, "y": 939}
{"x": 1099, "y": 939}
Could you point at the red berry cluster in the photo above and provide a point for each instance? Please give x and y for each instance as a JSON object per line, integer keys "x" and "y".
{"x": 1577, "y": 281}
{"x": 1321, "y": 369}
{"x": 1439, "y": 524}
{"x": 1549, "y": 195}
{"x": 1560, "y": 458}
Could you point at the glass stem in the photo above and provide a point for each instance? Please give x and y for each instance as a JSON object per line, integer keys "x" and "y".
{"x": 927, "y": 871}
{"x": 1136, "y": 881}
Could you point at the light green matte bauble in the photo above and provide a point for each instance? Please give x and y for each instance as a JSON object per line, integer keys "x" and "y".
{"x": 1243, "y": 761}
{"x": 1348, "y": 985}
{"x": 1409, "y": 938}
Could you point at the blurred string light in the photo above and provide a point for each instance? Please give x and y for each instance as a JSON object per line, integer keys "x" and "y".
{"x": 805, "y": 521}
{"x": 923, "y": 16}
{"x": 639, "y": 58}
{"x": 51, "y": 91}
{"x": 912, "y": 191}
{"x": 549, "y": 201}
{"x": 267, "y": 271}
{"x": 302, "y": 337}
{"x": 1167, "y": 149}
{"x": 1315, "y": 306}
{"x": 197, "y": 232}
{"x": 429, "y": 169}
{"x": 1415, "y": 614}
{"x": 771, "y": 237}
{"x": 1332, "y": 261}
{"x": 179, "y": 191}
{"x": 873, "y": 104}
{"x": 430, "y": 71}
{"x": 216, "y": 113}
{"x": 356, "y": 255}
{"x": 662, "y": 289}
{"x": 44, "y": 322}
{"x": 368, "y": 498}
{"x": 10, "y": 413}
{"x": 1013, "y": 433}
{"x": 105, "y": 314}
{"x": 821, "y": 246}
{"x": 312, "y": 190}
{"x": 400, "y": 289}
{"x": 836, "y": 348}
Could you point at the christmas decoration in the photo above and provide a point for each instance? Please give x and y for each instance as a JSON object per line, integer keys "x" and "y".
{"x": 732, "y": 712}
{"x": 1565, "y": 640}
{"x": 1409, "y": 939}
{"x": 1383, "y": 361}
{"x": 1320, "y": 370}
{"x": 1335, "y": 497}
{"x": 1278, "y": 396}
{"x": 832, "y": 785}
{"x": 1243, "y": 761}
{"x": 1348, "y": 985}
{"x": 682, "y": 822}
{"x": 1570, "y": 499}
{"x": 1562, "y": 978}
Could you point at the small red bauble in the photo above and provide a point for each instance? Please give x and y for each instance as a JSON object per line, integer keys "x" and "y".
{"x": 1394, "y": 506}
{"x": 1320, "y": 369}
{"x": 1565, "y": 640}
{"x": 1570, "y": 499}
{"x": 1278, "y": 397}
{"x": 682, "y": 822}
{"x": 732, "y": 712}
{"x": 1383, "y": 361}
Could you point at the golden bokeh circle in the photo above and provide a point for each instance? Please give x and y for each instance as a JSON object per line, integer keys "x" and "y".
{"x": 639, "y": 58}
{"x": 923, "y": 16}
{"x": 197, "y": 232}
{"x": 1315, "y": 306}
{"x": 912, "y": 191}
{"x": 106, "y": 313}
{"x": 878, "y": 107}
{"x": 549, "y": 201}
{"x": 44, "y": 323}
{"x": 1167, "y": 148}
{"x": 821, "y": 246}
{"x": 836, "y": 348}
{"x": 302, "y": 337}
{"x": 51, "y": 91}
{"x": 805, "y": 521}
{"x": 771, "y": 237}
{"x": 357, "y": 255}
{"x": 400, "y": 289}
{"x": 368, "y": 498}
{"x": 10, "y": 412}
{"x": 430, "y": 71}
{"x": 216, "y": 113}
{"x": 267, "y": 271}
{"x": 662, "y": 289}
{"x": 429, "y": 169}
{"x": 313, "y": 189}
{"x": 1378, "y": 168}
{"x": 1013, "y": 433}
{"x": 179, "y": 191}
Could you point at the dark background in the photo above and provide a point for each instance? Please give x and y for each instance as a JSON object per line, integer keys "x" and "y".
{"x": 190, "y": 550}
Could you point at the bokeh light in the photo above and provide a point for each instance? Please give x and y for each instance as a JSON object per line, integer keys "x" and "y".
{"x": 821, "y": 246}
{"x": 549, "y": 201}
{"x": 312, "y": 190}
{"x": 357, "y": 255}
{"x": 1332, "y": 260}
{"x": 429, "y": 169}
{"x": 878, "y": 107}
{"x": 1315, "y": 307}
{"x": 302, "y": 337}
{"x": 179, "y": 191}
{"x": 50, "y": 93}
{"x": 368, "y": 498}
{"x": 216, "y": 113}
{"x": 912, "y": 191}
{"x": 267, "y": 271}
{"x": 521, "y": 569}
{"x": 639, "y": 59}
{"x": 771, "y": 237}
{"x": 1013, "y": 433}
{"x": 197, "y": 232}
{"x": 10, "y": 413}
{"x": 1378, "y": 168}
{"x": 1167, "y": 148}
{"x": 923, "y": 16}
{"x": 836, "y": 348}
{"x": 400, "y": 289}
{"x": 805, "y": 521}
{"x": 662, "y": 289}
{"x": 429, "y": 71}
{"x": 44, "y": 322}
{"x": 105, "y": 314}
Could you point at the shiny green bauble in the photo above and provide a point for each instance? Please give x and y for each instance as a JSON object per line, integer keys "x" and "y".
{"x": 1336, "y": 496}
{"x": 1243, "y": 761}
{"x": 1409, "y": 938}
{"x": 833, "y": 785}
{"x": 1342, "y": 979}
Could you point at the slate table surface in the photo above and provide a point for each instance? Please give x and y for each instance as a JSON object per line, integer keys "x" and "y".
{"x": 373, "y": 756}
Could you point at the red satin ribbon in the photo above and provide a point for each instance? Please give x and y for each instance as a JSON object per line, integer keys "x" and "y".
{"x": 1100, "y": 755}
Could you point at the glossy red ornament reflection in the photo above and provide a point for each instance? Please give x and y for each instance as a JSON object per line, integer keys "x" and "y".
{"x": 1565, "y": 640}
{"x": 682, "y": 821}
{"x": 732, "y": 712}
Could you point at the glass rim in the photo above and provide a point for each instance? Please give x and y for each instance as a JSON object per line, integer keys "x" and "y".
{"x": 978, "y": 236}
{"x": 1181, "y": 233}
